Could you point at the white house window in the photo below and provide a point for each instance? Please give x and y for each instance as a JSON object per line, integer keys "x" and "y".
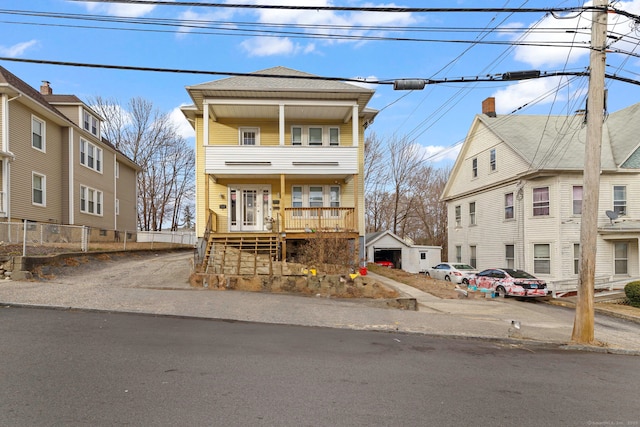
{"x": 542, "y": 259}
{"x": 621, "y": 260}
{"x": 90, "y": 123}
{"x": 541, "y": 201}
{"x": 38, "y": 186}
{"x": 38, "y": 133}
{"x": 315, "y": 135}
{"x": 472, "y": 256}
{"x": 90, "y": 200}
{"x": 492, "y": 159}
{"x": 334, "y": 136}
{"x": 474, "y": 168}
{"x": 296, "y": 135}
{"x": 620, "y": 199}
{"x": 315, "y": 196}
{"x": 577, "y": 199}
{"x": 458, "y": 216}
{"x": 509, "y": 255}
{"x": 249, "y": 136}
{"x": 508, "y": 206}
{"x": 90, "y": 156}
{"x": 472, "y": 213}
{"x": 458, "y": 253}
{"x": 576, "y": 258}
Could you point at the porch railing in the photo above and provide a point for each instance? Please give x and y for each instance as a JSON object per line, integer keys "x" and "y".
{"x": 319, "y": 219}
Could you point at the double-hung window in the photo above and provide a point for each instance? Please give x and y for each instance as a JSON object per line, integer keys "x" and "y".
{"x": 458, "y": 253}
{"x": 508, "y": 206}
{"x": 90, "y": 123}
{"x": 621, "y": 258}
{"x": 492, "y": 160}
{"x": 37, "y": 133}
{"x": 576, "y": 258}
{"x": 474, "y": 168}
{"x": 90, "y": 155}
{"x": 472, "y": 213}
{"x": 249, "y": 136}
{"x": 316, "y": 196}
{"x": 541, "y": 201}
{"x": 90, "y": 200}
{"x": 458, "y": 216}
{"x": 315, "y": 135}
{"x": 577, "y": 199}
{"x": 542, "y": 259}
{"x": 472, "y": 256}
{"x": 509, "y": 255}
{"x": 38, "y": 189}
{"x": 620, "y": 199}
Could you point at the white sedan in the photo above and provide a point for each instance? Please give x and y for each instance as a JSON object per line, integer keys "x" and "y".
{"x": 452, "y": 272}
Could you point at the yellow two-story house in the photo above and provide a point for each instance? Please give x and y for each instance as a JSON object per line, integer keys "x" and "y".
{"x": 279, "y": 158}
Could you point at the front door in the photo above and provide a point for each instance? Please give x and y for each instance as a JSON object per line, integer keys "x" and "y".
{"x": 250, "y": 208}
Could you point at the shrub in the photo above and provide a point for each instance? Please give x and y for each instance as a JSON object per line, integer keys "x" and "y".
{"x": 632, "y": 291}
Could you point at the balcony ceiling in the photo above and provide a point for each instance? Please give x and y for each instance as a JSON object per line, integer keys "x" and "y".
{"x": 298, "y": 112}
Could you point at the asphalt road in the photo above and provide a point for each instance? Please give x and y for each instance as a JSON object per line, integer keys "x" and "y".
{"x": 79, "y": 369}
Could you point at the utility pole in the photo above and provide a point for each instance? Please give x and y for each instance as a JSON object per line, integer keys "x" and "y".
{"x": 583, "y": 326}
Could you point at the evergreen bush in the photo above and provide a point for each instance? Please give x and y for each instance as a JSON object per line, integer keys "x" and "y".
{"x": 632, "y": 291}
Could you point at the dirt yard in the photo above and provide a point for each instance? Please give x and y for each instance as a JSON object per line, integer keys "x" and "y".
{"x": 435, "y": 287}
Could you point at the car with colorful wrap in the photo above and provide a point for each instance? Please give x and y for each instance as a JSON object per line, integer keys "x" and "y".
{"x": 508, "y": 282}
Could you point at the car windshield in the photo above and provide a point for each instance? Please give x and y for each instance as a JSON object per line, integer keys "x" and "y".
{"x": 462, "y": 267}
{"x": 519, "y": 274}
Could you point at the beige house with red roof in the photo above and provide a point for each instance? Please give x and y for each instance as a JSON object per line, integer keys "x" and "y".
{"x": 54, "y": 165}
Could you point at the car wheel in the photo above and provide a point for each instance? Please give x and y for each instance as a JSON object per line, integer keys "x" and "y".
{"x": 426, "y": 273}
{"x": 465, "y": 282}
{"x": 502, "y": 291}
{"x": 447, "y": 278}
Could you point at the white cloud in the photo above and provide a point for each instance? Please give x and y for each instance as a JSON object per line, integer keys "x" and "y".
{"x": 439, "y": 153}
{"x": 309, "y": 22}
{"x": 116, "y": 9}
{"x": 182, "y": 125}
{"x": 576, "y": 42}
{"x": 17, "y": 49}
{"x": 541, "y": 91}
{"x": 269, "y": 46}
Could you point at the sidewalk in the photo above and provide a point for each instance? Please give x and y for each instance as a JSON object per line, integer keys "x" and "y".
{"x": 489, "y": 319}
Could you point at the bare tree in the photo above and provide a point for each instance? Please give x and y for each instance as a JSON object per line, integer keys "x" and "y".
{"x": 150, "y": 139}
{"x": 405, "y": 160}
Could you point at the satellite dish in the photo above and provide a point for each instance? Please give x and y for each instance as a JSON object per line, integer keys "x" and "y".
{"x": 612, "y": 215}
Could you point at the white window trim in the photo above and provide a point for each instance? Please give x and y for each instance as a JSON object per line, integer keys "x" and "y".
{"x": 92, "y": 118}
{"x": 457, "y": 213}
{"x": 548, "y": 202}
{"x": 326, "y": 135}
{"x": 43, "y": 136}
{"x": 474, "y": 168}
{"x": 549, "y": 259}
{"x": 512, "y": 206}
{"x": 84, "y": 195}
{"x": 326, "y": 194}
{"x": 473, "y": 219}
{"x": 244, "y": 129}
{"x": 43, "y": 189}
{"x": 625, "y": 200}
{"x": 98, "y": 155}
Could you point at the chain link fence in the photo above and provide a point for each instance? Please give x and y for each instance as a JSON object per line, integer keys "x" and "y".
{"x": 34, "y": 238}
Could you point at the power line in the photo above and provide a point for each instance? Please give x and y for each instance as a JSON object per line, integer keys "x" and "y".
{"x": 351, "y": 8}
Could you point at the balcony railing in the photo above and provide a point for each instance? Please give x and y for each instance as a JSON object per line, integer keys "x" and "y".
{"x": 319, "y": 219}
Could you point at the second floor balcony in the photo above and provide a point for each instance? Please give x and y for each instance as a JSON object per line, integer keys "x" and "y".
{"x": 234, "y": 160}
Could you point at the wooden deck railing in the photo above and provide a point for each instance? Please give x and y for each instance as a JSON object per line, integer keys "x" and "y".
{"x": 319, "y": 219}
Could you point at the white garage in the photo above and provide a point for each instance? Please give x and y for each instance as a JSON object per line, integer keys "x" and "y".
{"x": 386, "y": 246}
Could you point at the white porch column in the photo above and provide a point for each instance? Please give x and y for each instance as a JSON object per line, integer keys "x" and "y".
{"x": 205, "y": 124}
{"x": 355, "y": 125}
{"x": 281, "y": 124}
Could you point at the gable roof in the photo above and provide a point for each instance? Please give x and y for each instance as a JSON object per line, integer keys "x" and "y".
{"x": 21, "y": 87}
{"x": 282, "y": 83}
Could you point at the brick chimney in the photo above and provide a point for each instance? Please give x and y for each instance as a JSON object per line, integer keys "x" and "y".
{"x": 489, "y": 107}
{"x": 45, "y": 89}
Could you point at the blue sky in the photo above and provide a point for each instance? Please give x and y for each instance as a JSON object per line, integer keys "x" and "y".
{"x": 437, "y": 118}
